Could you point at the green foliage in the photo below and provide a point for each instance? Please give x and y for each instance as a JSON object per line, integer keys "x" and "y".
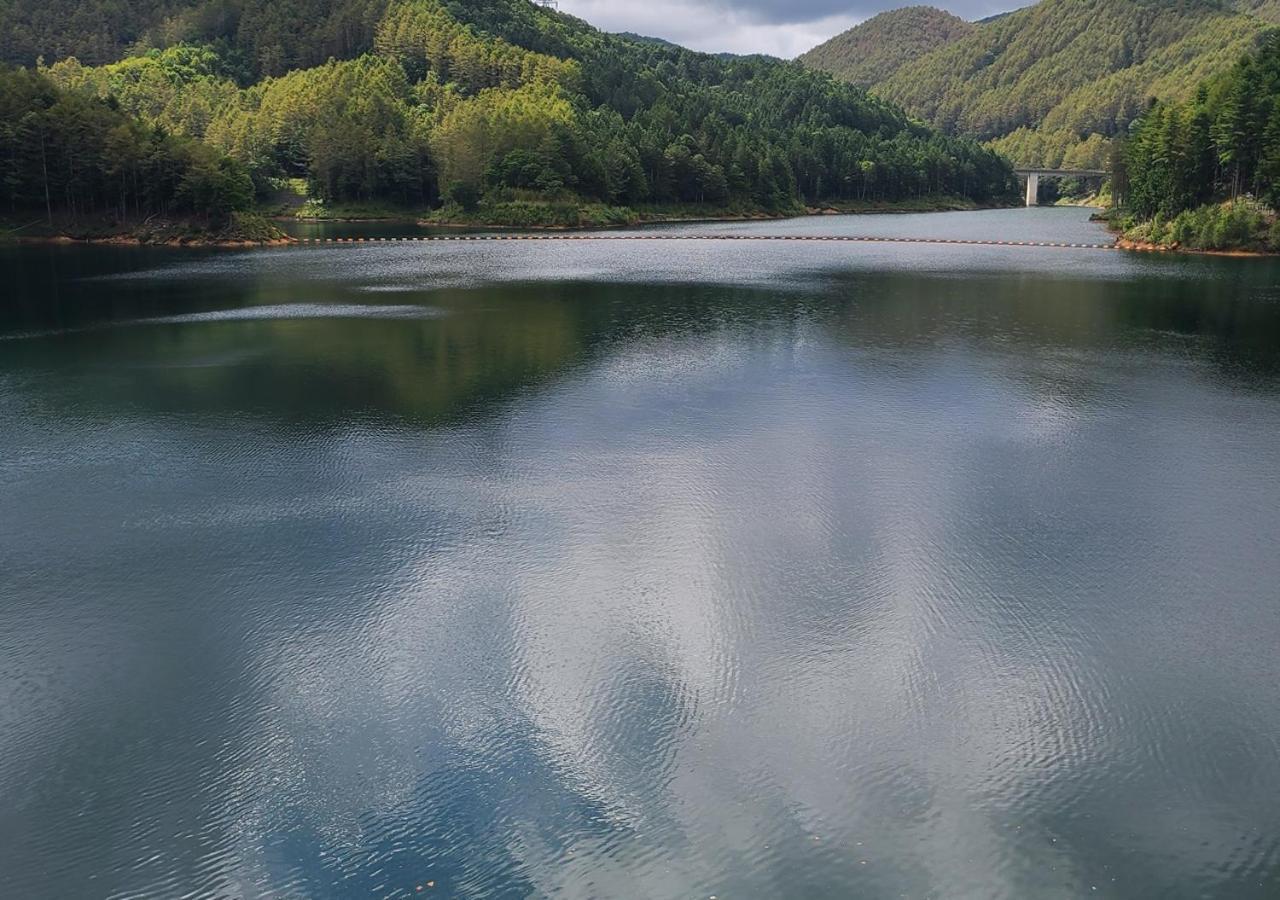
{"x": 351, "y": 128}
{"x": 1205, "y": 174}
{"x": 180, "y": 89}
{"x": 424, "y": 36}
{"x": 260, "y": 37}
{"x": 870, "y": 52}
{"x": 248, "y": 226}
{"x": 463, "y": 194}
{"x": 534, "y": 213}
{"x": 479, "y": 131}
{"x": 70, "y": 155}
{"x": 1223, "y": 143}
{"x": 314, "y": 208}
{"x": 1239, "y": 225}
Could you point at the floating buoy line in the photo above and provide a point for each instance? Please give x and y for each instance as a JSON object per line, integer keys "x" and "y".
{"x": 850, "y": 239}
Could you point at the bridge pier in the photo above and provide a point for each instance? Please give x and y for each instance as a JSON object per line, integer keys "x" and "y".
{"x": 1033, "y": 179}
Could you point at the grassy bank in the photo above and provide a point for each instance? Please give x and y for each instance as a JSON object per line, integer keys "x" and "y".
{"x": 1099, "y": 200}
{"x": 249, "y": 228}
{"x": 241, "y": 229}
{"x": 1242, "y": 226}
{"x": 926, "y": 203}
{"x": 571, "y": 213}
{"x": 574, "y": 214}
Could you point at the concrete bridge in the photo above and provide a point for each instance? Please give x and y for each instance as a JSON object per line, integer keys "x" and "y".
{"x": 1033, "y": 178}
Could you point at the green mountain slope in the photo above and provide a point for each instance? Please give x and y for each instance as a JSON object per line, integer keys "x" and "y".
{"x": 1051, "y": 83}
{"x": 873, "y": 50}
{"x": 504, "y": 106}
{"x": 267, "y": 37}
{"x": 646, "y": 39}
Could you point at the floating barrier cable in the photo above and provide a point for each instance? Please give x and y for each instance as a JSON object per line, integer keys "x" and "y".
{"x": 847, "y": 239}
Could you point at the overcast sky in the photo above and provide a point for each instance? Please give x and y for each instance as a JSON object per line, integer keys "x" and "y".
{"x": 780, "y": 27}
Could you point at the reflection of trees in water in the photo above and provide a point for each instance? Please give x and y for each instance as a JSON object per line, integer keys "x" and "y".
{"x": 486, "y": 344}
{"x": 492, "y": 341}
{"x": 1228, "y": 318}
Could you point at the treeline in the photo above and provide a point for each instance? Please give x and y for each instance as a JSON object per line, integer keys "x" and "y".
{"x": 504, "y": 101}
{"x": 65, "y": 153}
{"x": 1223, "y": 143}
{"x": 1186, "y": 166}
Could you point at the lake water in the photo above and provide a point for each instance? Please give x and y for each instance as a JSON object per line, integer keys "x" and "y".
{"x": 641, "y": 569}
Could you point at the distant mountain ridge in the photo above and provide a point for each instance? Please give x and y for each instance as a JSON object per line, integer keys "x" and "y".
{"x": 879, "y": 47}
{"x": 1052, "y": 83}
{"x": 646, "y": 39}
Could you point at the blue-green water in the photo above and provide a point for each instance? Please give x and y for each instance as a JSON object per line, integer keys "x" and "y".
{"x": 666, "y": 569}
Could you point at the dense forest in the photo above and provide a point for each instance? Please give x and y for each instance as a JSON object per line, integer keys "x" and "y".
{"x": 1053, "y": 83}
{"x": 483, "y": 103}
{"x": 872, "y": 51}
{"x": 67, "y": 151}
{"x": 1206, "y": 173}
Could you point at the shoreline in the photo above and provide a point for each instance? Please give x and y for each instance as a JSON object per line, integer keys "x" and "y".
{"x": 652, "y": 217}
{"x": 243, "y": 229}
{"x": 808, "y": 212}
{"x": 128, "y": 238}
{"x": 1124, "y": 243}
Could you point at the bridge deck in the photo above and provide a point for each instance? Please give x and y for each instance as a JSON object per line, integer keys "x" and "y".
{"x": 1065, "y": 173}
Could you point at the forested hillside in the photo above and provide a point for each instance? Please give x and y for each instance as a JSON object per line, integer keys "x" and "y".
{"x": 493, "y": 102}
{"x": 872, "y": 51}
{"x": 1051, "y": 84}
{"x": 1206, "y": 173}
{"x": 255, "y": 37}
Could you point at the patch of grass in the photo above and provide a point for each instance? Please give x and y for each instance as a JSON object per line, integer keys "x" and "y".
{"x": 316, "y": 208}
{"x": 516, "y": 209}
{"x": 925, "y": 203}
{"x": 524, "y": 213}
{"x": 286, "y": 197}
{"x": 252, "y": 226}
{"x": 533, "y": 214}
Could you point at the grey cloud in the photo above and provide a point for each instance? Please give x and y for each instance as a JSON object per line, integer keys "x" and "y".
{"x": 779, "y": 27}
{"x": 785, "y": 12}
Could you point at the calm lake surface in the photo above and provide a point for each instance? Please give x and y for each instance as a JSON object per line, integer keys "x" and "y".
{"x": 627, "y": 569}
